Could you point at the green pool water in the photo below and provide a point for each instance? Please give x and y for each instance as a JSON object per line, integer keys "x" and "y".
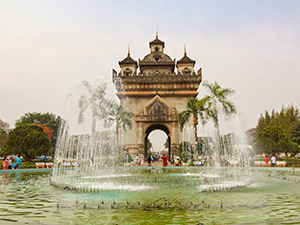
{"x": 26, "y": 197}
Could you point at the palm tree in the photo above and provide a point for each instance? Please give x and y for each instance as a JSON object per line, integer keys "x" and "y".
{"x": 149, "y": 145}
{"x": 218, "y": 97}
{"x": 95, "y": 100}
{"x": 196, "y": 108}
{"x": 166, "y": 144}
{"x": 120, "y": 116}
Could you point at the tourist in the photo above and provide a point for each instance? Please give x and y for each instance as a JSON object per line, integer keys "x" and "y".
{"x": 164, "y": 160}
{"x": 149, "y": 158}
{"x": 172, "y": 159}
{"x": 142, "y": 160}
{"x": 19, "y": 162}
{"x": 78, "y": 162}
{"x": 137, "y": 161}
{"x": 13, "y": 164}
{"x": 267, "y": 160}
{"x": 9, "y": 163}
{"x": 273, "y": 160}
{"x": 5, "y": 163}
{"x": 177, "y": 161}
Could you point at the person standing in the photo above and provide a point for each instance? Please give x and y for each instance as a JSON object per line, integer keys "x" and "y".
{"x": 267, "y": 160}
{"x": 13, "y": 164}
{"x": 19, "y": 162}
{"x": 9, "y": 163}
{"x": 273, "y": 160}
{"x": 149, "y": 159}
{"x": 5, "y": 163}
{"x": 164, "y": 160}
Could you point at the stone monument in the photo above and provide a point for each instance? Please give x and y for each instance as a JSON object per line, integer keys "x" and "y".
{"x": 155, "y": 93}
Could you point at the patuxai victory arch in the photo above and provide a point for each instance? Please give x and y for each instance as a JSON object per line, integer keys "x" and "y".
{"x": 155, "y": 92}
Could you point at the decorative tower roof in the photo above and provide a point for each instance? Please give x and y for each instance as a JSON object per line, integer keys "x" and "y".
{"x": 128, "y": 60}
{"x": 156, "y": 75}
{"x": 185, "y": 59}
{"x": 156, "y": 41}
{"x": 157, "y": 60}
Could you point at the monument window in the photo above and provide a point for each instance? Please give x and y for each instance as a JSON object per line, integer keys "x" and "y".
{"x": 157, "y": 57}
{"x": 186, "y": 71}
{"x": 127, "y": 72}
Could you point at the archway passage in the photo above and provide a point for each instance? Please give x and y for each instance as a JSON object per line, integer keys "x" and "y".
{"x": 156, "y": 127}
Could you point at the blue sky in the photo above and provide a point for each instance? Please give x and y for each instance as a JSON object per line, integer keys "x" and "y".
{"x": 46, "y": 47}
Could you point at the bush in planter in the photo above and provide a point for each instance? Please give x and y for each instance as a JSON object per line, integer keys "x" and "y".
{"x": 186, "y": 151}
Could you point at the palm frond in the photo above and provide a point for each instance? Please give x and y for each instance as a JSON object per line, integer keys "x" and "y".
{"x": 183, "y": 117}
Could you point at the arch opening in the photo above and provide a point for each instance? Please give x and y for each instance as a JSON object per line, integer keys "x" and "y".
{"x": 153, "y": 128}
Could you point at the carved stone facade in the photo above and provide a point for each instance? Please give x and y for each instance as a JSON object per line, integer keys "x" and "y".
{"x": 155, "y": 94}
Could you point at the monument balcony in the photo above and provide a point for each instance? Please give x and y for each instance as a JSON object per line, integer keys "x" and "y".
{"x": 157, "y": 78}
{"x": 152, "y": 83}
{"x": 156, "y": 118}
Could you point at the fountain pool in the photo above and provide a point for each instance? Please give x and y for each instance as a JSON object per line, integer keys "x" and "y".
{"x": 273, "y": 198}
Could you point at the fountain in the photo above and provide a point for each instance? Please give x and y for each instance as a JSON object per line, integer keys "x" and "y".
{"x": 90, "y": 185}
{"x": 90, "y": 161}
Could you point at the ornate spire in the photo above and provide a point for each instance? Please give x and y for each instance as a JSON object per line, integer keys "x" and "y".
{"x": 156, "y": 41}
{"x": 128, "y": 59}
{"x": 185, "y": 58}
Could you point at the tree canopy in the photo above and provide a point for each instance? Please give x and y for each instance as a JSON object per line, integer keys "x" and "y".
{"x": 217, "y": 102}
{"x": 118, "y": 115}
{"x": 196, "y": 108}
{"x": 27, "y": 140}
{"x": 46, "y": 120}
{"x": 4, "y": 128}
{"x": 294, "y": 132}
{"x": 273, "y": 140}
{"x": 284, "y": 119}
{"x": 287, "y": 123}
{"x": 186, "y": 151}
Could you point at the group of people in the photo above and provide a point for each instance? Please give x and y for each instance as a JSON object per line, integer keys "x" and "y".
{"x": 272, "y": 159}
{"x": 10, "y": 163}
{"x": 140, "y": 161}
{"x": 151, "y": 159}
{"x": 154, "y": 158}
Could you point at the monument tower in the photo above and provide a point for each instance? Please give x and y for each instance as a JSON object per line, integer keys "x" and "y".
{"x": 155, "y": 93}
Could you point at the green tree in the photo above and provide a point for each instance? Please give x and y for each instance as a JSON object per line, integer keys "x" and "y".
{"x": 218, "y": 97}
{"x": 294, "y": 132}
{"x": 4, "y": 125}
{"x": 251, "y": 135}
{"x": 94, "y": 99}
{"x": 120, "y": 117}
{"x": 284, "y": 119}
{"x": 186, "y": 151}
{"x": 166, "y": 144}
{"x": 52, "y": 121}
{"x": 123, "y": 156}
{"x": 196, "y": 108}
{"x": 204, "y": 146}
{"x": 4, "y": 128}
{"x": 28, "y": 141}
{"x": 149, "y": 144}
{"x": 273, "y": 140}
{"x": 3, "y": 138}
